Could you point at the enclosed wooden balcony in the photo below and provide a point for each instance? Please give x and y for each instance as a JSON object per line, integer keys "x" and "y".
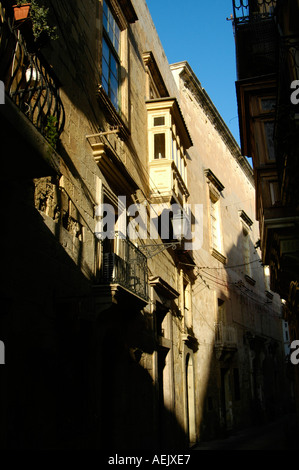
{"x": 168, "y": 141}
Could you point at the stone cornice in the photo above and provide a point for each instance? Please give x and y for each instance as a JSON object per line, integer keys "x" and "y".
{"x": 245, "y": 218}
{"x": 214, "y": 180}
{"x": 150, "y": 62}
{"x": 193, "y": 84}
{"x": 124, "y": 11}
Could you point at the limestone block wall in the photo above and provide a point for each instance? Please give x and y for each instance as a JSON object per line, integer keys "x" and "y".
{"x": 121, "y": 382}
{"x": 247, "y": 308}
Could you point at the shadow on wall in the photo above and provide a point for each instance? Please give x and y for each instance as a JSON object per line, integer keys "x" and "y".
{"x": 70, "y": 381}
{"x": 247, "y": 382}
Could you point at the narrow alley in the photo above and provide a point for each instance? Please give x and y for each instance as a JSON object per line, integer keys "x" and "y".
{"x": 278, "y": 435}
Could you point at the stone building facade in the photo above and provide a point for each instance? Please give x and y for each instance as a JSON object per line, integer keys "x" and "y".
{"x": 236, "y": 317}
{"x": 115, "y": 336}
{"x": 267, "y": 92}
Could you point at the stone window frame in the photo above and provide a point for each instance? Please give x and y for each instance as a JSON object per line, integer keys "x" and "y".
{"x": 246, "y": 224}
{"x": 124, "y": 15}
{"x": 112, "y": 41}
{"x": 215, "y": 189}
{"x": 261, "y": 118}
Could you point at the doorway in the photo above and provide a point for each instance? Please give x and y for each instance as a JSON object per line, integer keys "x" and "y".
{"x": 226, "y": 399}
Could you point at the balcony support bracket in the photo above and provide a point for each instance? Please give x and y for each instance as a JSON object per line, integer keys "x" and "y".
{"x": 154, "y": 249}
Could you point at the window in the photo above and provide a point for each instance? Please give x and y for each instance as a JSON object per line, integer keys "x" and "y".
{"x": 274, "y": 192}
{"x": 221, "y": 311}
{"x": 268, "y": 104}
{"x": 185, "y": 299}
{"x": 110, "y": 56}
{"x": 113, "y": 89}
{"x": 269, "y": 133}
{"x": 246, "y": 224}
{"x": 246, "y": 251}
{"x": 159, "y": 145}
{"x": 159, "y": 121}
{"x": 267, "y": 277}
{"x": 263, "y": 114}
{"x": 215, "y": 190}
{"x": 215, "y": 223}
{"x": 187, "y": 303}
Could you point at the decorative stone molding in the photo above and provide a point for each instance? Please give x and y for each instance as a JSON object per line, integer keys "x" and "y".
{"x": 214, "y": 180}
{"x": 124, "y": 11}
{"x": 250, "y": 280}
{"x": 218, "y": 256}
{"x": 98, "y": 151}
{"x": 245, "y": 218}
{"x": 163, "y": 287}
{"x": 193, "y": 85}
{"x": 153, "y": 69}
{"x": 269, "y": 295}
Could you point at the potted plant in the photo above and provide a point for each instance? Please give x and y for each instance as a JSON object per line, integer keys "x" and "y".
{"x": 40, "y": 26}
{"x": 21, "y": 10}
{"x": 51, "y": 131}
{"x": 37, "y": 12}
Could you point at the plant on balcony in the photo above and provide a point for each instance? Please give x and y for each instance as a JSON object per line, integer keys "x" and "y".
{"x": 51, "y": 132}
{"x": 38, "y": 13}
{"x": 21, "y": 10}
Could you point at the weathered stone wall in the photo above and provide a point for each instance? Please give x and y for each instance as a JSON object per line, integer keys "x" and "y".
{"x": 86, "y": 369}
{"x": 247, "y": 308}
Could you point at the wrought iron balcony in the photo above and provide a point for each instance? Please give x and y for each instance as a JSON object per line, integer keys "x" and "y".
{"x": 28, "y": 81}
{"x": 256, "y": 37}
{"x": 253, "y": 10}
{"x": 127, "y": 267}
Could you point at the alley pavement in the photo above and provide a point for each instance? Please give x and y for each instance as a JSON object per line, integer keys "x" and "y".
{"x": 281, "y": 434}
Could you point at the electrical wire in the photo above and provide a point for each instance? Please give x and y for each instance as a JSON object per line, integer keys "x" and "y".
{"x": 223, "y": 267}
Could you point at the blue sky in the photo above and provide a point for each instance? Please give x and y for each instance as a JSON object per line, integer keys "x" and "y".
{"x": 197, "y": 31}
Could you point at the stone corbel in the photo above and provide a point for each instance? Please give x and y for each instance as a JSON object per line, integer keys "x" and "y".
{"x": 98, "y": 151}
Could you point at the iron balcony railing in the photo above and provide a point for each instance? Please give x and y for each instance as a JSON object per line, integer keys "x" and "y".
{"x": 225, "y": 335}
{"x": 28, "y": 80}
{"x": 253, "y": 10}
{"x": 127, "y": 266}
{"x": 256, "y": 37}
